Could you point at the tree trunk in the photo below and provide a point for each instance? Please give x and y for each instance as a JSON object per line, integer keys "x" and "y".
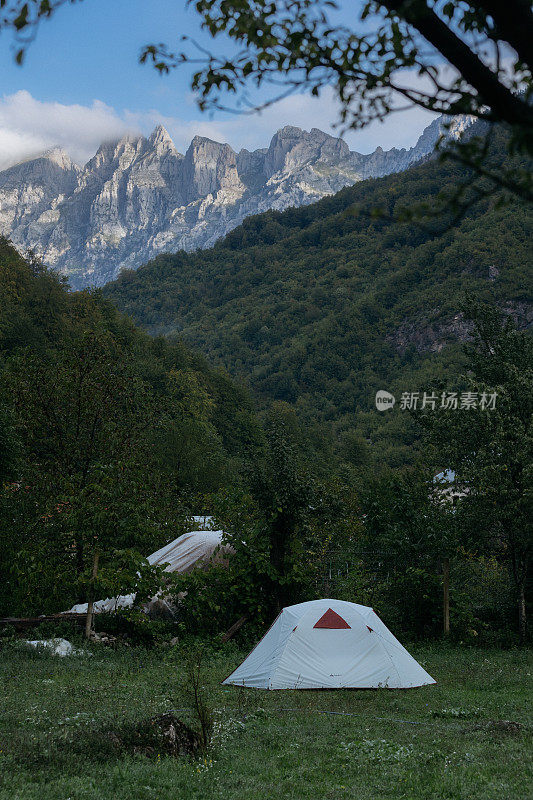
{"x": 446, "y": 595}
{"x": 522, "y": 618}
{"x": 90, "y": 604}
{"x": 505, "y": 105}
{"x": 79, "y": 557}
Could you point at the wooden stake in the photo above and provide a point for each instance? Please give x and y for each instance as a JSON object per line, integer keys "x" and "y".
{"x": 233, "y": 630}
{"x": 90, "y": 604}
{"x": 446, "y": 594}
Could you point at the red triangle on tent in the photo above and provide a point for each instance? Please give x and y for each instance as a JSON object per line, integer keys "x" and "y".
{"x": 331, "y": 620}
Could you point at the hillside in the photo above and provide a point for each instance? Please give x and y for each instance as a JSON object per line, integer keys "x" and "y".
{"x": 45, "y": 331}
{"x": 323, "y": 305}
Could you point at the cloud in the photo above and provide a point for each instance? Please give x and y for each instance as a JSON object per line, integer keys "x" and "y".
{"x": 29, "y": 126}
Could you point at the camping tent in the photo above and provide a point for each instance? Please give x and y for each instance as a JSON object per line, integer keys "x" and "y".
{"x": 329, "y": 644}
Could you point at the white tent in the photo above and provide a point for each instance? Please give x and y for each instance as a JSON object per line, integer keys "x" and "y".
{"x": 329, "y": 644}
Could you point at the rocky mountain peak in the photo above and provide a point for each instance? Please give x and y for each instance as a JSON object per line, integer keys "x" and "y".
{"x": 291, "y": 147}
{"x": 138, "y": 196}
{"x": 208, "y": 166}
{"x": 204, "y": 145}
{"x": 289, "y": 132}
{"x": 431, "y": 134}
{"x": 161, "y": 141}
{"x": 160, "y": 135}
{"x": 115, "y": 148}
{"x": 60, "y": 158}
{"x": 458, "y": 125}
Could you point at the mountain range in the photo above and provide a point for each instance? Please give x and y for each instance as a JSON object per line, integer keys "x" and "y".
{"x": 319, "y": 307}
{"x": 138, "y": 197}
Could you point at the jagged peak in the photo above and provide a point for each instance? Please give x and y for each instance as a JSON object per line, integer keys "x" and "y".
{"x": 315, "y": 136}
{"x": 114, "y": 144}
{"x": 200, "y": 140}
{"x": 57, "y": 155}
{"x": 458, "y": 125}
{"x": 160, "y": 136}
{"x": 288, "y": 132}
{"x": 291, "y": 130}
{"x": 317, "y": 133}
{"x": 202, "y": 147}
{"x": 449, "y": 127}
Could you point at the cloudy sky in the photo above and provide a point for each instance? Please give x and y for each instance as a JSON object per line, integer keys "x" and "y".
{"x": 81, "y": 84}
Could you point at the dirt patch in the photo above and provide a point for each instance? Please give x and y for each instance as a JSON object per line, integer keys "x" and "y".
{"x": 164, "y": 734}
{"x": 506, "y": 726}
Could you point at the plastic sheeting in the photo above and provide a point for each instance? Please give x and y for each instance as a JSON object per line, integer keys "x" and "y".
{"x": 58, "y": 647}
{"x": 203, "y": 523}
{"x": 108, "y": 605}
{"x": 296, "y": 653}
{"x": 193, "y": 549}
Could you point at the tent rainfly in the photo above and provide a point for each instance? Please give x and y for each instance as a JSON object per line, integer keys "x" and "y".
{"x": 329, "y": 644}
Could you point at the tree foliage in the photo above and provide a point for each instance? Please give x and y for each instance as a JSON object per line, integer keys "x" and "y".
{"x": 491, "y": 449}
{"x": 280, "y": 530}
{"x": 108, "y": 438}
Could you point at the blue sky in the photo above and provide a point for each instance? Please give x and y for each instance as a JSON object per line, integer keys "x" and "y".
{"x": 81, "y": 83}
{"x": 89, "y": 51}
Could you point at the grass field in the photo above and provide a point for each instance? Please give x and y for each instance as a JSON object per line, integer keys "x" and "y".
{"x": 443, "y": 741}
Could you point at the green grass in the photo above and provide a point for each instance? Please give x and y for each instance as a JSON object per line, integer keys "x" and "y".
{"x": 435, "y": 742}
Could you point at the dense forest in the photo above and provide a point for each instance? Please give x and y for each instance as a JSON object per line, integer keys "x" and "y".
{"x": 111, "y": 439}
{"x": 107, "y": 435}
{"x": 321, "y": 306}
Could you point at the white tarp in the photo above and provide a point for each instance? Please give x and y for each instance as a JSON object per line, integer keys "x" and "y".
{"x": 329, "y": 644}
{"x": 108, "y": 605}
{"x": 193, "y": 549}
{"x": 58, "y": 647}
{"x": 203, "y": 523}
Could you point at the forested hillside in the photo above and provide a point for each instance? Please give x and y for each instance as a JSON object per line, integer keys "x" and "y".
{"x": 38, "y": 316}
{"x": 108, "y": 437}
{"x": 323, "y": 305}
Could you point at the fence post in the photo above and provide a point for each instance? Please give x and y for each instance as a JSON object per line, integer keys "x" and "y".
{"x": 90, "y": 604}
{"x": 446, "y": 594}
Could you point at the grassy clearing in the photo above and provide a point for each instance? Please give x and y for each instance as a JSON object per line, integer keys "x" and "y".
{"x": 55, "y": 713}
